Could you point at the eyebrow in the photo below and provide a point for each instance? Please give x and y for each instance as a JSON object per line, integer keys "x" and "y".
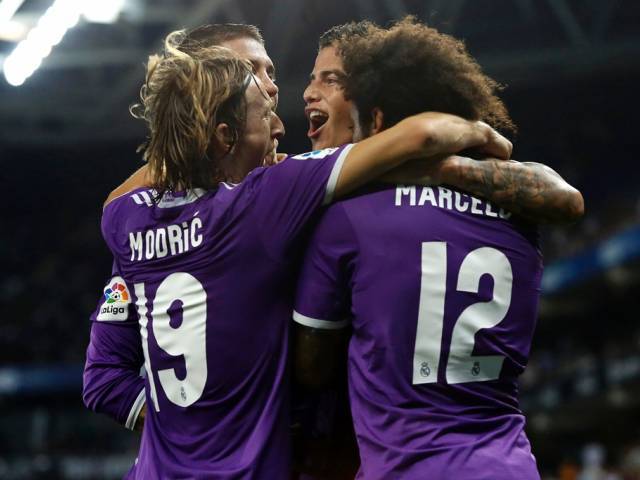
{"x": 259, "y": 62}
{"x": 326, "y": 73}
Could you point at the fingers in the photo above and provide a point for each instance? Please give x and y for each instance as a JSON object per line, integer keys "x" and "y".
{"x": 497, "y": 146}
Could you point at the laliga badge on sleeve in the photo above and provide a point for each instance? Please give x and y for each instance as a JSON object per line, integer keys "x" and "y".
{"x": 115, "y": 305}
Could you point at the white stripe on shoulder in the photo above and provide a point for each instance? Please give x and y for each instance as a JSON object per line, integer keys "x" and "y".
{"x": 142, "y": 198}
{"x": 135, "y": 410}
{"x": 317, "y": 323}
{"x": 147, "y": 198}
{"x": 335, "y": 173}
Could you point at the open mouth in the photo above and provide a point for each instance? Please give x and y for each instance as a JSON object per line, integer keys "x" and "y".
{"x": 317, "y": 119}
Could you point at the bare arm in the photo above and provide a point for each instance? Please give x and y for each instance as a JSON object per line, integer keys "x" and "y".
{"x": 531, "y": 190}
{"x": 422, "y": 135}
{"x": 139, "y": 425}
{"x": 419, "y": 136}
{"x": 318, "y": 355}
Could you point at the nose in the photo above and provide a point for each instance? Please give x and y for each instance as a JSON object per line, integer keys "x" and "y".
{"x": 270, "y": 87}
{"x": 310, "y": 94}
{"x": 277, "y": 127}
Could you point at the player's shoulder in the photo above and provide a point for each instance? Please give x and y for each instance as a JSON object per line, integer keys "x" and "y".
{"x": 138, "y": 196}
{"x": 314, "y": 154}
{"x": 129, "y": 204}
{"x": 147, "y": 199}
{"x": 144, "y": 205}
{"x": 325, "y": 153}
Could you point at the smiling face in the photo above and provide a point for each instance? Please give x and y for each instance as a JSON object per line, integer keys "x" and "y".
{"x": 328, "y": 112}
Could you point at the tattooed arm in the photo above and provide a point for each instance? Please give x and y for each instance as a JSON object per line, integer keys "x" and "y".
{"x": 531, "y": 190}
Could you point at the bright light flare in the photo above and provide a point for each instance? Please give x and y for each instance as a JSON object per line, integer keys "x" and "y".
{"x": 8, "y": 8}
{"x": 50, "y": 29}
{"x": 13, "y": 31}
{"x": 10, "y": 30}
{"x": 102, "y": 11}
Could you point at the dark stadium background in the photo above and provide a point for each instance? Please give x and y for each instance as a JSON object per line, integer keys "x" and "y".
{"x": 572, "y": 71}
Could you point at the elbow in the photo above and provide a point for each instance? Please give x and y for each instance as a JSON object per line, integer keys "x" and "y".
{"x": 574, "y": 207}
{"x": 89, "y": 397}
{"x": 577, "y": 207}
{"x": 418, "y": 136}
{"x": 91, "y": 390}
{"x": 425, "y": 139}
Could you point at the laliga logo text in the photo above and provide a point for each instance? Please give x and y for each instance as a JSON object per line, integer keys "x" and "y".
{"x": 116, "y": 294}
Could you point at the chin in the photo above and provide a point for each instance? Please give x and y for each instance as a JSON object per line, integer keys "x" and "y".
{"x": 319, "y": 144}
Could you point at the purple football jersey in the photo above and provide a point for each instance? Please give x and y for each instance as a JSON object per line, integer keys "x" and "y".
{"x": 209, "y": 276}
{"x": 442, "y": 290}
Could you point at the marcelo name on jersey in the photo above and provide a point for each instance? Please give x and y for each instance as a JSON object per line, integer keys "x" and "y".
{"x": 444, "y": 198}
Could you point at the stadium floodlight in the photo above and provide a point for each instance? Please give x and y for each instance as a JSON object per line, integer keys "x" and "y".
{"x": 8, "y": 8}
{"x": 51, "y": 27}
{"x": 10, "y": 29}
{"x": 101, "y": 11}
{"x": 13, "y": 31}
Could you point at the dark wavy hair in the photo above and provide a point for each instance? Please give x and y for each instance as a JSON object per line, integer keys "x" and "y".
{"x": 410, "y": 68}
{"x": 339, "y": 34}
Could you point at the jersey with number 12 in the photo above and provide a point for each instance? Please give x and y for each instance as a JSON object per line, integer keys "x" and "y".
{"x": 442, "y": 290}
{"x": 210, "y": 278}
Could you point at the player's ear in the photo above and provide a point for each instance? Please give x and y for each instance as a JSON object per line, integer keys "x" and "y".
{"x": 224, "y": 137}
{"x": 377, "y": 121}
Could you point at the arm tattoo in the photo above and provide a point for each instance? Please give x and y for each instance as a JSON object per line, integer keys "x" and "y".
{"x": 531, "y": 190}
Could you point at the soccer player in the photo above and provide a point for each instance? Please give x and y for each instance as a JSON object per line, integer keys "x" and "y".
{"x": 203, "y": 265}
{"x": 528, "y": 189}
{"x": 440, "y": 287}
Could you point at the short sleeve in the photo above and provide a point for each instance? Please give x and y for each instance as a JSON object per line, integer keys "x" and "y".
{"x": 323, "y": 297}
{"x": 290, "y": 193}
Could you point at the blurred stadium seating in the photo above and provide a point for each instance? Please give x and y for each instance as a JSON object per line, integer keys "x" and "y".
{"x": 572, "y": 70}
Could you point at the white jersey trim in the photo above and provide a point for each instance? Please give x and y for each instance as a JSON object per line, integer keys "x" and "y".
{"x": 135, "y": 410}
{"x": 169, "y": 201}
{"x": 335, "y": 173}
{"x": 317, "y": 323}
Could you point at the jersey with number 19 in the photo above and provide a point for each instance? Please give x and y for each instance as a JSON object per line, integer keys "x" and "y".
{"x": 205, "y": 280}
{"x": 442, "y": 291}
